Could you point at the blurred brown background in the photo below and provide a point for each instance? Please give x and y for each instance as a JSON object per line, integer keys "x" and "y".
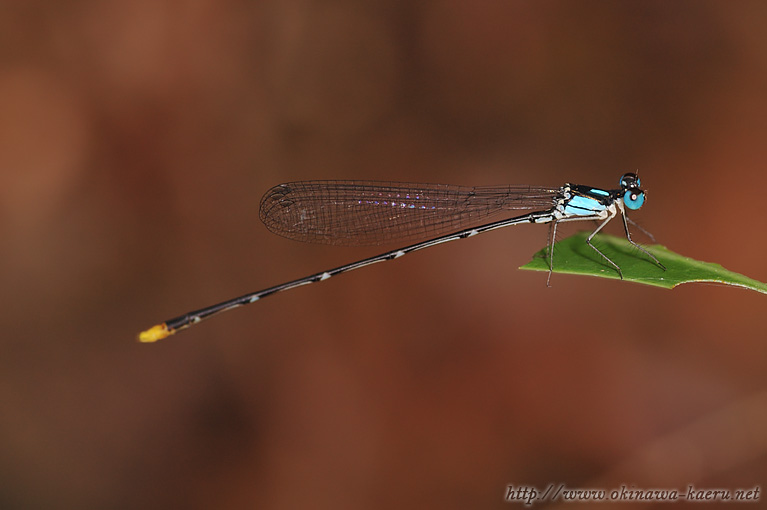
{"x": 136, "y": 139}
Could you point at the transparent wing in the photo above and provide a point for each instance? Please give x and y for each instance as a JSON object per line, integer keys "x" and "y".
{"x": 375, "y": 212}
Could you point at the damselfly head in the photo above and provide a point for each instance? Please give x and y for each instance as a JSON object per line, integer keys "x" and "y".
{"x": 629, "y": 181}
{"x": 633, "y": 195}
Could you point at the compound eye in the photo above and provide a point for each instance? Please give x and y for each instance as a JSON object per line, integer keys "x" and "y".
{"x": 633, "y": 199}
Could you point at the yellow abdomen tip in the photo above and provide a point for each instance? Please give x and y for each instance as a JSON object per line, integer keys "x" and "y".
{"x": 154, "y": 333}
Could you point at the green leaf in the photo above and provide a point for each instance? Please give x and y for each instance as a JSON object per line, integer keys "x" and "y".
{"x": 574, "y": 256}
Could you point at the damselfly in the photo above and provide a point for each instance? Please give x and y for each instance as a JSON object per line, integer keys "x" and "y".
{"x": 373, "y": 213}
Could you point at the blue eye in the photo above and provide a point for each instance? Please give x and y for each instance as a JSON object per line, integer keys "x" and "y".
{"x": 633, "y": 199}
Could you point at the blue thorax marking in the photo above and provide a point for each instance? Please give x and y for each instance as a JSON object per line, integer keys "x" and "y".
{"x": 602, "y": 192}
{"x": 581, "y": 205}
